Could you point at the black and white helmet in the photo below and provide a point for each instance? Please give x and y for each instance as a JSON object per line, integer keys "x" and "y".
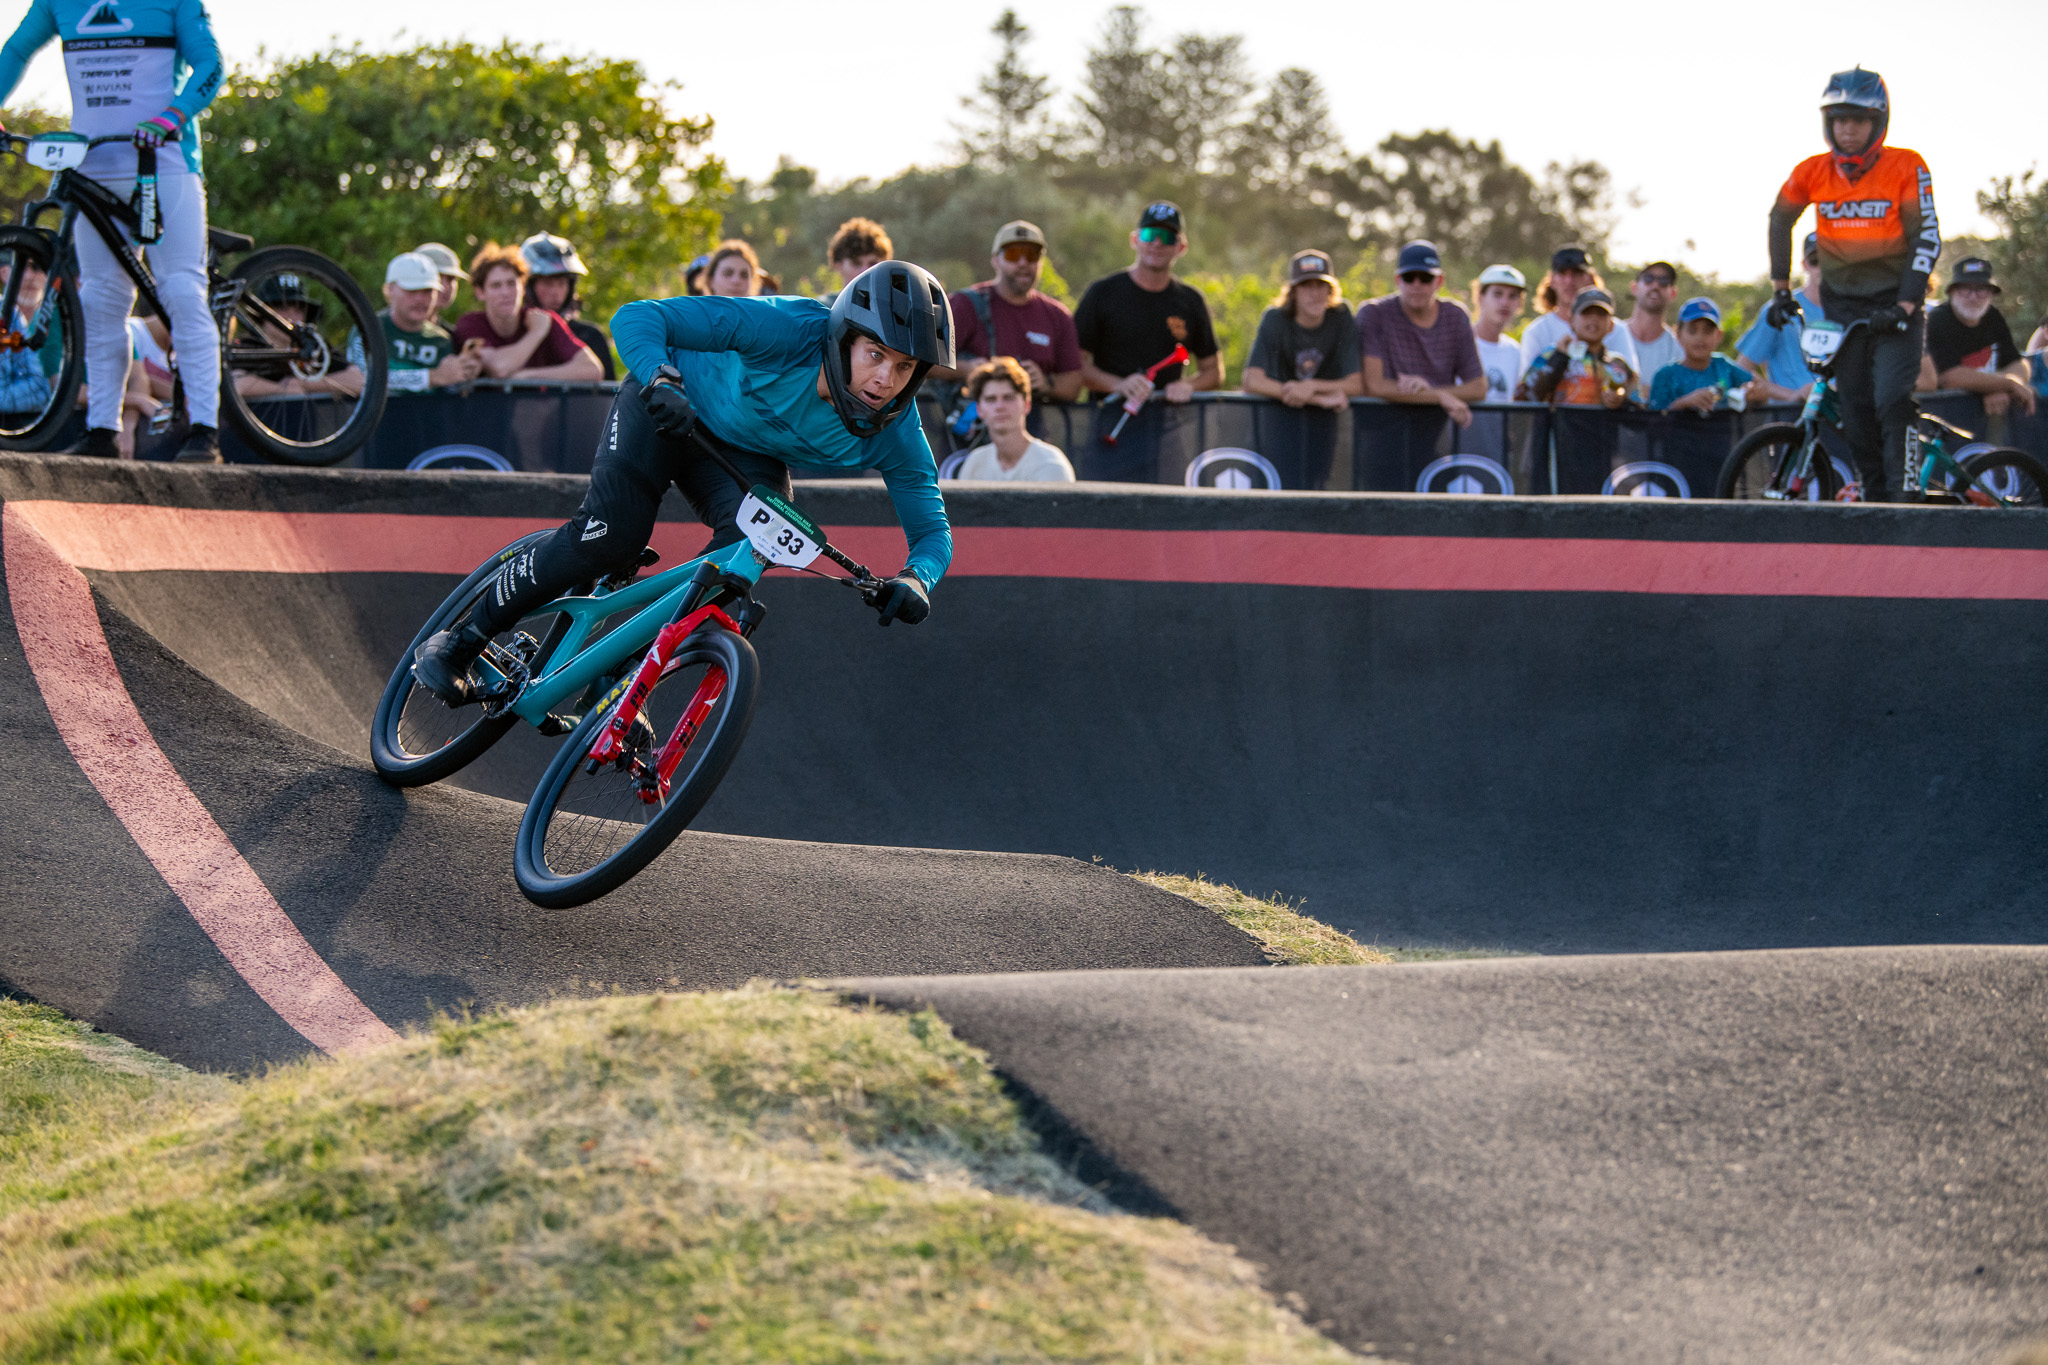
{"x": 1856, "y": 91}
{"x": 547, "y": 254}
{"x": 904, "y": 308}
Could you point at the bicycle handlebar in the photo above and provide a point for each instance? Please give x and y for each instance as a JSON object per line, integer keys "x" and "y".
{"x": 861, "y": 579}
{"x": 19, "y": 141}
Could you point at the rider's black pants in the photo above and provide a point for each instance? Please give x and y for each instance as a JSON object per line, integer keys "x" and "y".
{"x": 634, "y": 467}
{"x": 1876, "y": 377}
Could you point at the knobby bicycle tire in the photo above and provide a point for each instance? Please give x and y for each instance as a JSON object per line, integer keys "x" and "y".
{"x": 326, "y": 447}
{"x": 1738, "y": 482}
{"x": 2012, "y": 474}
{"x": 40, "y": 430}
{"x": 397, "y": 762}
{"x": 710, "y": 757}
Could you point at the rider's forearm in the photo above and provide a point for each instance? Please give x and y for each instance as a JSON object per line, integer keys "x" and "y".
{"x": 198, "y": 50}
{"x": 914, "y": 492}
{"x": 36, "y": 29}
{"x": 646, "y": 330}
{"x": 1784, "y": 217}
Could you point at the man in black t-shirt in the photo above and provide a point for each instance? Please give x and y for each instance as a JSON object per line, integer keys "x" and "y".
{"x": 1969, "y": 345}
{"x": 1129, "y": 322}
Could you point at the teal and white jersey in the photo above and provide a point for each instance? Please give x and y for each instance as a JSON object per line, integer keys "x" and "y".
{"x": 127, "y": 60}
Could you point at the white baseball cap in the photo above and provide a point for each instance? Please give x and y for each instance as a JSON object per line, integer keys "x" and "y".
{"x": 1502, "y": 274}
{"x": 411, "y": 270}
{"x": 444, "y": 259}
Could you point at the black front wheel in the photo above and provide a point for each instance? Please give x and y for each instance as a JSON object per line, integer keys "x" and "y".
{"x": 1764, "y": 466}
{"x": 45, "y": 358}
{"x": 2005, "y": 477}
{"x": 303, "y": 360}
{"x": 592, "y": 825}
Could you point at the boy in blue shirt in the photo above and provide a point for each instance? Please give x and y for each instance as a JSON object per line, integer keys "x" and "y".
{"x": 1772, "y": 353}
{"x": 767, "y": 381}
{"x": 1703, "y": 380}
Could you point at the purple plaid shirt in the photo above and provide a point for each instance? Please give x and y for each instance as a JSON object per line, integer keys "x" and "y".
{"x": 1444, "y": 356}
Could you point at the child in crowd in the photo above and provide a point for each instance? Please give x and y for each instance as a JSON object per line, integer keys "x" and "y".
{"x": 1704, "y": 379}
{"x": 1497, "y": 297}
{"x": 1001, "y": 393}
{"x": 1584, "y": 370}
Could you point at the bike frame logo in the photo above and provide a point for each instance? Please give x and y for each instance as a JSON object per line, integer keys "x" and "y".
{"x": 1646, "y": 479}
{"x": 105, "y": 18}
{"x": 1465, "y": 474}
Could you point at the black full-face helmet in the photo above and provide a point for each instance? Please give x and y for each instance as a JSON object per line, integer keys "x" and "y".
{"x": 1856, "y": 91}
{"x": 904, "y": 308}
{"x": 287, "y": 288}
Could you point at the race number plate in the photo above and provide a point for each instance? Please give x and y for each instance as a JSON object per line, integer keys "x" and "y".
{"x": 777, "y": 531}
{"x": 1820, "y": 341}
{"x": 56, "y": 151}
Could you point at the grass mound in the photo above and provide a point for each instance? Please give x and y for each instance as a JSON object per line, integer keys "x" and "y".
{"x": 754, "y": 1175}
{"x": 1288, "y": 937}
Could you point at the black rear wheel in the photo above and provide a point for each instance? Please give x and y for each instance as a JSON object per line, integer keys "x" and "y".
{"x": 2012, "y": 477}
{"x": 590, "y": 825}
{"x": 416, "y": 737}
{"x": 303, "y": 359}
{"x": 41, "y": 397}
{"x": 1761, "y": 467}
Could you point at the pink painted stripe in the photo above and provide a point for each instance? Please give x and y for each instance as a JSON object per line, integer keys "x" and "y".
{"x": 68, "y": 653}
{"x": 129, "y": 538}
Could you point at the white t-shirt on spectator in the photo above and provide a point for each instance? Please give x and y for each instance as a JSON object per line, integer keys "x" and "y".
{"x": 1041, "y": 463}
{"x": 1655, "y": 355}
{"x": 1501, "y": 362}
{"x": 1553, "y": 327}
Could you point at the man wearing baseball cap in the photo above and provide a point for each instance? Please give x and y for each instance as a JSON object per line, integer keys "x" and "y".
{"x": 1417, "y": 347}
{"x": 1006, "y": 315}
{"x": 453, "y": 276}
{"x": 1571, "y": 270}
{"x": 1970, "y": 344}
{"x": 1700, "y": 380}
{"x": 1306, "y": 356}
{"x": 1129, "y": 322}
{"x": 422, "y": 354}
{"x": 1497, "y": 297}
{"x": 1772, "y": 354}
{"x": 1656, "y": 344}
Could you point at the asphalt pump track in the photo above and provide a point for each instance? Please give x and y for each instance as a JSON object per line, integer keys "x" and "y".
{"x": 1569, "y": 727}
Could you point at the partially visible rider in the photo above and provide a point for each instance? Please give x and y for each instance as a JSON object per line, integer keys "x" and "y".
{"x": 553, "y": 271}
{"x": 767, "y": 380}
{"x": 1878, "y": 244}
{"x": 146, "y": 67}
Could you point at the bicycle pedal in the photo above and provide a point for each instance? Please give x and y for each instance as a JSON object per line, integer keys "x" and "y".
{"x": 553, "y": 725}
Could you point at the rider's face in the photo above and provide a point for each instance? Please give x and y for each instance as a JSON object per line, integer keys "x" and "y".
{"x": 1852, "y": 133}
{"x": 879, "y": 373}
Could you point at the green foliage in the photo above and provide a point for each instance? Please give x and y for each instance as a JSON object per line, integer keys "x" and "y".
{"x": 1008, "y": 104}
{"x": 2019, "y": 256}
{"x": 19, "y": 181}
{"x": 362, "y": 155}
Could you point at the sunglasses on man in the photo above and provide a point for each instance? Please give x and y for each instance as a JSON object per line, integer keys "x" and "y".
{"x": 1418, "y": 277}
{"x": 1158, "y": 234}
{"x": 1016, "y": 253}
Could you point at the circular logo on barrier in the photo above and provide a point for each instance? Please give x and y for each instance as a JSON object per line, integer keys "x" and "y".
{"x": 1234, "y": 468}
{"x": 1465, "y": 474}
{"x": 1646, "y": 479}
{"x": 949, "y": 468}
{"x": 460, "y": 457}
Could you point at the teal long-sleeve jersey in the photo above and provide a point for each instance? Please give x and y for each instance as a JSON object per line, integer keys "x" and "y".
{"x": 751, "y": 368}
{"x": 127, "y": 60}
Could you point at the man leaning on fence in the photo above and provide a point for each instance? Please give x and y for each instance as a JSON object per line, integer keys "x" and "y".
{"x": 1970, "y": 345}
{"x": 1417, "y": 347}
{"x": 422, "y": 354}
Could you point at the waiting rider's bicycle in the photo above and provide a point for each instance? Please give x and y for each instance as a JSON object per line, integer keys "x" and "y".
{"x": 283, "y": 313}
{"x": 655, "y": 708}
{"x": 1786, "y": 461}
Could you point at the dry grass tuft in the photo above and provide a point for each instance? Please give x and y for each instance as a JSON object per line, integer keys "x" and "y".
{"x": 1289, "y": 937}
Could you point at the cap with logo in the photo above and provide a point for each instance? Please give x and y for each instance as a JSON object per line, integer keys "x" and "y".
{"x": 1019, "y": 231}
{"x": 1310, "y": 265}
{"x": 1502, "y": 274}
{"x": 1592, "y": 298}
{"x": 1161, "y": 213}
{"x": 413, "y": 270}
{"x": 1570, "y": 258}
{"x": 1975, "y": 272}
{"x": 445, "y": 260}
{"x": 1419, "y": 256}
{"x": 1699, "y": 308}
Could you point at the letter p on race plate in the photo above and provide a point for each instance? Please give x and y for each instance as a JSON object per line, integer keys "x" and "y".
{"x": 775, "y": 537}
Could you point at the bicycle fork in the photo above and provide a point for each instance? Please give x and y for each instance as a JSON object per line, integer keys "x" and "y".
{"x": 613, "y": 742}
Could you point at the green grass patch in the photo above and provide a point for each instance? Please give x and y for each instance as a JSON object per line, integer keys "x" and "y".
{"x": 763, "y": 1174}
{"x": 1289, "y": 937}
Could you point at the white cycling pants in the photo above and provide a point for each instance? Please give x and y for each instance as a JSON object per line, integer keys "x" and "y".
{"x": 177, "y": 260}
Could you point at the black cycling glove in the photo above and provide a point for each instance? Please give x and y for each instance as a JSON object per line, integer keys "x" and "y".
{"x": 1784, "y": 309}
{"x": 902, "y": 598}
{"x": 1891, "y": 321}
{"x": 667, "y": 404}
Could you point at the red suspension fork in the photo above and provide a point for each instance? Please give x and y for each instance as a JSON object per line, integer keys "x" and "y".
{"x": 611, "y": 741}
{"x": 708, "y": 693}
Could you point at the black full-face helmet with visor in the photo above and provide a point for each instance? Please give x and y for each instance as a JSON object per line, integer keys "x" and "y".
{"x": 1856, "y": 93}
{"x": 904, "y": 308}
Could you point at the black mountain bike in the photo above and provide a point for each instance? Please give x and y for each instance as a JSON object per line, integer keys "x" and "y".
{"x": 287, "y": 319}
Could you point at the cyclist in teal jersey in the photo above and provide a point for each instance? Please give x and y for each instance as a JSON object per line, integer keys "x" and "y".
{"x": 765, "y": 380}
{"x": 146, "y": 67}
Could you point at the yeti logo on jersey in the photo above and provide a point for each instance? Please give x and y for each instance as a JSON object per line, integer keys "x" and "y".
{"x": 104, "y": 18}
{"x": 595, "y": 530}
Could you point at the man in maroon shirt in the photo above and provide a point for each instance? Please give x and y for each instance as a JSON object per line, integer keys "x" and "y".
{"x": 516, "y": 342}
{"x": 1418, "y": 348}
{"x": 1035, "y": 331}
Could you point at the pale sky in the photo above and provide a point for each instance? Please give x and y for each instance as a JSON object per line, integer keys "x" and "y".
{"x": 1701, "y": 109}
